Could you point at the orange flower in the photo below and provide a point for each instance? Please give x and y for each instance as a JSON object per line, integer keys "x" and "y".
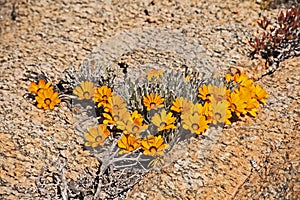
{"x": 47, "y": 98}
{"x": 116, "y": 110}
{"x": 115, "y": 104}
{"x": 102, "y": 95}
{"x": 195, "y": 123}
{"x": 260, "y": 94}
{"x": 129, "y": 143}
{"x": 206, "y": 110}
{"x": 252, "y": 105}
{"x": 155, "y": 75}
{"x": 116, "y": 116}
{"x": 204, "y": 93}
{"x": 181, "y": 105}
{"x": 35, "y": 88}
{"x": 243, "y": 80}
{"x": 218, "y": 93}
{"x": 137, "y": 118}
{"x": 247, "y": 95}
{"x": 134, "y": 129}
{"x": 164, "y": 121}
{"x": 131, "y": 124}
{"x": 96, "y": 136}
{"x": 236, "y": 104}
{"x": 154, "y": 146}
{"x": 153, "y": 102}
{"x": 220, "y": 112}
{"x": 85, "y": 90}
{"x": 198, "y": 109}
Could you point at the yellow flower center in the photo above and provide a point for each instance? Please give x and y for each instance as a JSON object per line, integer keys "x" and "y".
{"x": 117, "y": 107}
{"x": 152, "y": 105}
{"x": 153, "y": 149}
{"x": 98, "y": 139}
{"x": 86, "y": 95}
{"x": 47, "y": 101}
{"x": 104, "y": 98}
{"x": 163, "y": 124}
{"x": 195, "y": 126}
{"x": 116, "y": 117}
{"x": 135, "y": 128}
{"x": 218, "y": 116}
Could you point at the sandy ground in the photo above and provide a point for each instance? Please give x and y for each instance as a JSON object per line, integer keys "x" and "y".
{"x": 257, "y": 158}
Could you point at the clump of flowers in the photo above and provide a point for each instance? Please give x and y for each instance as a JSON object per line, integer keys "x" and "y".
{"x": 278, "y": 40}
{"x": 44, "y": 94}
{"x": 144, "y": 118}
{"x": 246, "y": 98}
{"x": 133, "y": 123}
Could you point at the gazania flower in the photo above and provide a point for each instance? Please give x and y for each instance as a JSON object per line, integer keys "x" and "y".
{"x": 115, "y": 104}
{"x": 195, "y": 123}
{"x": 137, "y": 118}
{"x": 200, "y": 109}
{"x": 217, "y": 92}
{"x": 116, "y": 111}
{"x": 243, "y": 80}
{"x": 164, "y": 121}
{"x": 108, "y": 119}
{"x": 102, "y": 95}
{"x": 85, "y": 90}
{"x": 96, "y": 136}
{"x": 34, "y": 88}
{"x": 154, "y": 146}
{"x": 197, "y": 109}
{"x": 204, "y": 93}
{"x": 181, "y": 105}
{"x": 123, "y": 123}
{"x": 128, "y": 143}
{"x": 228, "y": 77}
{"x": 220, "y": 112}
{"x": 207, "y": 110}
{"x": 155, "y": 75}
{"x": 260, "y": 94}
{"x": 131, "y": 124}
{"x": 152, "y": 101}
{"x": 116, "y": 117}
{"x": 187, "y": 78}
{"x": 236, "y": 104}
{"x": 47, "y": 98}
{"x": 132, "y": 128}
{"x": 252, "y": 105}
{"x": 247, "y": 94}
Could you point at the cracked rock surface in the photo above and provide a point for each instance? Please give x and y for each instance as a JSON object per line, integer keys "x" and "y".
{"x": 256, "y": 158}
